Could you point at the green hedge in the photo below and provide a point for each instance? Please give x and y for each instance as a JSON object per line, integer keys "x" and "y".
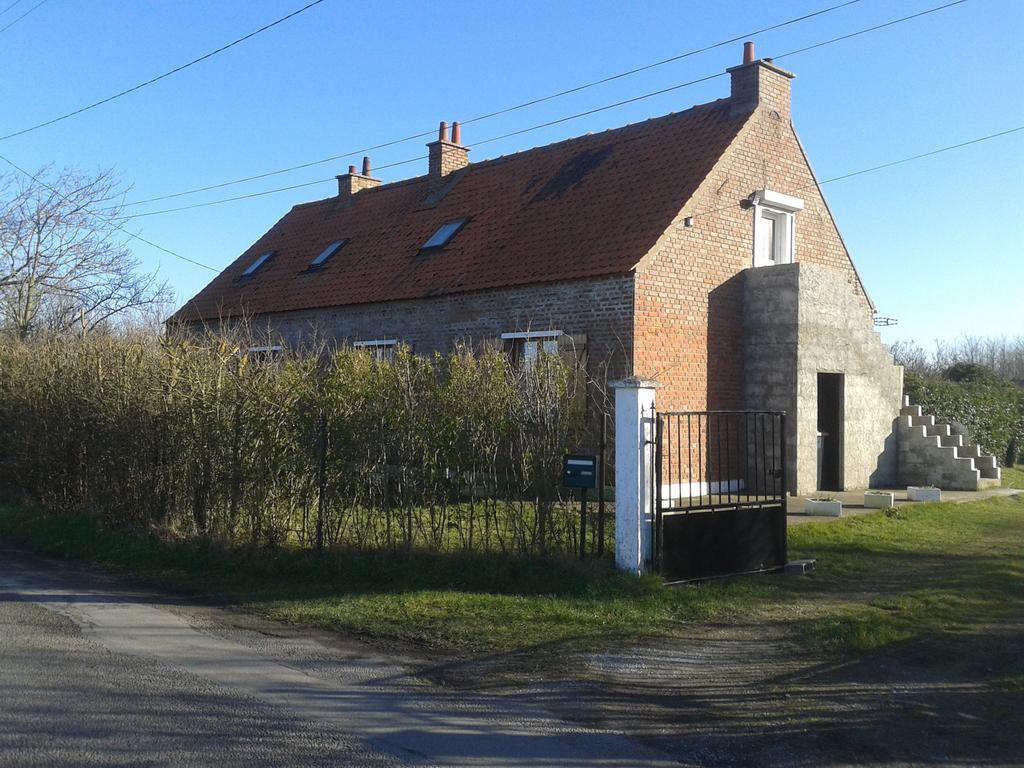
{"x": 989, "y": 408}
{"x": 198, "y": 439}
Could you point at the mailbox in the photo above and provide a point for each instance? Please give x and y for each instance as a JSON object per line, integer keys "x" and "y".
{"x": 579, "y": 472}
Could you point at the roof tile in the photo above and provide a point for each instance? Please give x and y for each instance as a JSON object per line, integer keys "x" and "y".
{"x": 584, "y": 207}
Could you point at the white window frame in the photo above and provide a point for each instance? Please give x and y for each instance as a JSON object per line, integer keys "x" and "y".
{"x": 780, "y": 209}
{"x": 529, "y": 345}
{"x": 380, "y": 349}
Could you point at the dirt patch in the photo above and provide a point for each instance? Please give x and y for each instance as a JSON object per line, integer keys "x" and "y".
{"x": 752, "y": 695}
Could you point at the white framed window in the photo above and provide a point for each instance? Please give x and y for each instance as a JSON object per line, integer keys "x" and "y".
{"x": 527, "y": 346}
{"x": 379, "y": 349}
{"x": 774, "y": 227}
{"x": 264, "y": 354}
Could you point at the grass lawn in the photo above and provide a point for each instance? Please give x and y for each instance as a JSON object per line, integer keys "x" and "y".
{"x": 1013, "y": 477}
{"x": 881, "y": 579}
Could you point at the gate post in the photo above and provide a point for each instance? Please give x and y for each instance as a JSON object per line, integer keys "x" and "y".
{"x": 634, "y": 474}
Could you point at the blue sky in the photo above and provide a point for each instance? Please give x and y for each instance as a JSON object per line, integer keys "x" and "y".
{"x": 939, "y": 242}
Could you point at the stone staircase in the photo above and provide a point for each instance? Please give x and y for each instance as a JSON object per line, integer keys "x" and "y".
{"x": 930, "y": 454}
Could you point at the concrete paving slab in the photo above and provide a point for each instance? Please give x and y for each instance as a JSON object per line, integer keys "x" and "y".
{"x": 853, "y": 502}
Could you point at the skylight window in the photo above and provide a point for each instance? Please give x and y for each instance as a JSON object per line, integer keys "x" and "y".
{"x": 260, "y": 261}
{"x": 445, "y": 233}
{"x": 327, "y": 253}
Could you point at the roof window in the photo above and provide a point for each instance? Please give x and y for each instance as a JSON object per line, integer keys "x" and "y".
{"x": 259, "y": 262}
{"x": 327, "y": 253}
{"x": 444, "y": 233}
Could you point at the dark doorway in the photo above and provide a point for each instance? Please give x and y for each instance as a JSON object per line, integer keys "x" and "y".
{"x": 830, "y": 431}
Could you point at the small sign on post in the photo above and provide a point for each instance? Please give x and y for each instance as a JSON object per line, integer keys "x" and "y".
{"x": 580, "y": 472}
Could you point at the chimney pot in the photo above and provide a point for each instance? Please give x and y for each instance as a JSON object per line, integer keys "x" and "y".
{"x": 445, "y": 157}
{"x": 748, "y": 52}
{"x": 352, "y": 183}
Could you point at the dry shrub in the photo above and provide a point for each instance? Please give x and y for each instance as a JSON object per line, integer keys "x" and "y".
{"x": 197, "y": 438}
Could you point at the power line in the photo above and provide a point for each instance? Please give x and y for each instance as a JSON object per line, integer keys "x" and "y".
{"x": 881, "y": 166}
{"x": 264, "y": 193}
{"x": 874, "y": 28}
{"x": 924, "y": 154}
{"x": 5, "y": 10}
{"x": 26, "y": 13}
{"x": 860, "y": 172}
{"x": 140, "y": 238}
{"x": 506, "y": 110}
{"x": 548, "y": 123}
{"x": 158, "y": 78}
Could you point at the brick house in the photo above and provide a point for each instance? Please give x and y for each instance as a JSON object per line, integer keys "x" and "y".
{"x": 695, "y": 249}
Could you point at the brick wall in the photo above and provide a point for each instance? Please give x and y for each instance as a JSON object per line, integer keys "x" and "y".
{"x": 598, "y": 308}
{"x": 688, "y": 328}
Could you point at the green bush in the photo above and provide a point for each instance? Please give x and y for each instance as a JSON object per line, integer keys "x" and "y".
{"x": 989, "y": 408}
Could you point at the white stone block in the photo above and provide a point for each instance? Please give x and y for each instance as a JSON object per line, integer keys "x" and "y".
{"x": 879, "y": 499}
{"x": 823, "y": 507}
{"x": 923, "y": 493}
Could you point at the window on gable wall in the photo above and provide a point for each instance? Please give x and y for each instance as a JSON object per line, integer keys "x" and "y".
{"x": 774, "y": 227}
{"x": 379, "y": 349}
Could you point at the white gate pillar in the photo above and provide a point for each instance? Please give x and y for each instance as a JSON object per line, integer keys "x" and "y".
{"x": 634, "y": 473}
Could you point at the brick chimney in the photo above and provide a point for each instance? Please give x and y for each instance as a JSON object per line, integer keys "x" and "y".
{"x": 351, "y": 183}
{"x": 446, "y": 156}
{"x": 759, "y": 83}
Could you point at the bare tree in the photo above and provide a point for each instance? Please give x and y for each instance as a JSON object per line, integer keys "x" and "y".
{"x": 1003, "y": 355}
{"x": 911, "y": 356}
{"x": 64, "y": 265}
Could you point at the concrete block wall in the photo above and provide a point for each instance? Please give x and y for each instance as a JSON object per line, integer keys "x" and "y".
{"x": 803, "y": 319}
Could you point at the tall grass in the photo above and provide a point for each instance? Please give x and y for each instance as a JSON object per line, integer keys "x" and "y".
{"x": 199, "y": 439}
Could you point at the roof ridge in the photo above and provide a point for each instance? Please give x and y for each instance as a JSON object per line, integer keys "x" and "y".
{"x": 541, "y": 147}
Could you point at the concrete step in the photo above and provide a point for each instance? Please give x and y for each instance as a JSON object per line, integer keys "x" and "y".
{"x": 984, "y": 460}
{"x": 989, "y": 482}
{"x": 931, "y": 454}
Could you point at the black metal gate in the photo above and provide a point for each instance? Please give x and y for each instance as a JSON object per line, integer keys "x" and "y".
{"x": 720, "y": 493}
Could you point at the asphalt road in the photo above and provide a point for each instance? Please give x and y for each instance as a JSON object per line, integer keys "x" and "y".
{"x": 96, "y": 674}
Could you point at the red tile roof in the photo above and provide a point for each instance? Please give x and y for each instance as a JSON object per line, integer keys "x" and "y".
{"x": 585, "y": 207}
